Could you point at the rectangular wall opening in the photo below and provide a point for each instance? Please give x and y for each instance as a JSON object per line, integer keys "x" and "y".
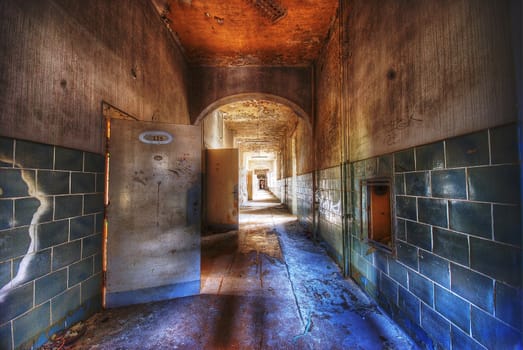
{"x": 377, "y": 228}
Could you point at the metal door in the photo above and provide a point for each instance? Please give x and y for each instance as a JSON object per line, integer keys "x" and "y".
{"x": 153, "y": 235}
{"x": 222, "y": 189}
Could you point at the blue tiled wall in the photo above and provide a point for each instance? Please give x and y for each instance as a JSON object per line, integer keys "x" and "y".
{"x": 454, "y": 280}
{"x": 51, "y": 217}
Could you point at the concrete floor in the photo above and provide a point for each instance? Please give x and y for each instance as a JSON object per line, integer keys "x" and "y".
{"x": 264, "y": 287}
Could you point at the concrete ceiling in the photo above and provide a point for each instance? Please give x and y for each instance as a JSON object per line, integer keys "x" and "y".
{"x": 249, "y": 32}
{"x": 258, "y": 125}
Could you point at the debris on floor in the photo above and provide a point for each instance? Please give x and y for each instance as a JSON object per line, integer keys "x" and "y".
{"x": 265, "y": 286}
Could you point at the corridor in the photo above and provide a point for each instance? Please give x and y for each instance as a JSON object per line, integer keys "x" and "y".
{"x": 266, "y": 286}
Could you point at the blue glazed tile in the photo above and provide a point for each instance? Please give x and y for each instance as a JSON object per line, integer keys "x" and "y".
{"x": 417, "y": 184}
{"x": 92, "y": 287}
{"x": 50, "y": 286}
{"x": 99, "y": 223}
{"x": 94, "y": 163}
{"x": 26, "y": 208}
{"x": 492, "y": 333}
{"x": 494, "y": 184}
{"x": 12, "y": 184}
{"x": 68, "y": 159}
{"x": 17, "y": 302}
{"x": 404, "y": 161}
{"x": 5, "y": 272}
{"x": 432, "y": 211}
{"x": 82, "y": 226}
{"x": 507, "y": 224}
{"x": 65, "y": 303}
{"x": 31, "y": 324}
{"x": 6, "y": 152}
{"x": 14, "y": 243}
{"x": 470, "y": 217}
{"x": 401, "y": 231}
{"x": 461, "y": 340}
{"x": 97, "y": 263}
{"x": 449, "y": 184}
{"x": 385, "y": 165}
{"x": 452, "y": 307}
{"x": 52, "y": 233}
{"x": 82, "y": 183}
{"x": 66, "y": 254}
{"x": 419, "y": 235}
{"x": 67, "y": 206}
{"x": 100, "y": 183}
{"x": 80, "y": 271}
{"x": 388, "y": 289}
{"x": 421, "y": 287}
{"x": 437, "y": 327}
{"x": 371, "y": 167}
{"x": 398, "y": 272}
{"x": 468, "y": 150}
{"x": 380, "y": 261}
{"x": 6, "y": 214}
{"x": 451, "y": 245}
{"x": 504, "y": 144}
{"x": 39, "y": 265}
{"x": 509, "y": 303}
{"x": 406, "y": 207}
{"x": 53, "y": 182}
{"x": 407, "y": 254}
{"x": 435, "y": 268}
{"x": 476, "y": 288}
{"x": 34, "y": 155}
{"x": 5, "y": 337}
{"x": 430, "y": 157}
{"x": 409, "y": 304}
{"x": 503, "y": 263}
{"x": 399, "y": 184}
{"x": 93, "y": 203}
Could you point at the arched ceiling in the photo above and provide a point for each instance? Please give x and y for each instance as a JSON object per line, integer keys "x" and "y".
{"x": 249, "y": 32}
{"x": 258, "y": 125}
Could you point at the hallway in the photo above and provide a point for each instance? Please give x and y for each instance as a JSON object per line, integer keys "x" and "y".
{"x": 264, "y": 287}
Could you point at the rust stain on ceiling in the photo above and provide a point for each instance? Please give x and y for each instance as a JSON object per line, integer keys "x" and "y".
{"x": 258, "y": 125}
{"x": 237, "y": 32}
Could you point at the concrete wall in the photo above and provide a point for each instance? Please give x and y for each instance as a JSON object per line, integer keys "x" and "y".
{"x": 61, "y": 58}
{"x": 51, "y": 218}
{"x": 292, "y": 85}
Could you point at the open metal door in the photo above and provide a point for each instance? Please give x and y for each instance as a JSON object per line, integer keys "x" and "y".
{"x": 222, "y": 171}
{"x": 153, "y": 216}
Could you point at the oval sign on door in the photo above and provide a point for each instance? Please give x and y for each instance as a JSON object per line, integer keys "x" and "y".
{"x": 156, "y": 137}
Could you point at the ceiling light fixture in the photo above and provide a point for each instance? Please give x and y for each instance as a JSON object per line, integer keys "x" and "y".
{"x": 270, "y": 9}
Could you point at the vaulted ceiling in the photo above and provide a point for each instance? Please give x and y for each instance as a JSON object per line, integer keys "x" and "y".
{"x": 249, "y": 32}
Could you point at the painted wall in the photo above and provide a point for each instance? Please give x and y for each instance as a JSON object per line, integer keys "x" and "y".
{"x": 211, "y": 84}
{"x": 427, "y": 70}
{"x": 327, "y": 120}
{"x": 51, "y": 218}
{"x": 61, "y": 58}
{"x": 215, "y": 133}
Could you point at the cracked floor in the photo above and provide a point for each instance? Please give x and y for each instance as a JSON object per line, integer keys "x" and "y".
{"x": 265, "y": 286}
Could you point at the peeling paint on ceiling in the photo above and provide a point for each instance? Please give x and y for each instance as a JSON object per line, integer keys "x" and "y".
{"x": 235, "y": 33}
{"x": 258, "y": 125}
